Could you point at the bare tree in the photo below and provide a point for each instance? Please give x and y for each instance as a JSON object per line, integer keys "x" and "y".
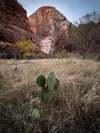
{"x": 85, "y": 32}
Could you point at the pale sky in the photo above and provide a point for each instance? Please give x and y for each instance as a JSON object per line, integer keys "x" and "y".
{"x": 71, "y": 9}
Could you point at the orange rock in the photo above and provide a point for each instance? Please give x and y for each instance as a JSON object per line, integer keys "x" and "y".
{"x": 47, "y": 25}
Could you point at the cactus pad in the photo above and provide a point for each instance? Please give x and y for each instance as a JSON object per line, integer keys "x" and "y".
{"x": 35, "y": 114}
{"x": 51, "y": 80}
{"x": 41, "y": 80}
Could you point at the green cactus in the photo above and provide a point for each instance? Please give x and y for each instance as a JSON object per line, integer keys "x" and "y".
{"x": 50, "y": 97}
{"x": 35, "y": 114}
{"x": 57, "y": 84}
{"x": 51, "y": 80}
{"x": 44, "y": 93}
{"x": 41, "y": 80}
{"x": 48, "y": 91}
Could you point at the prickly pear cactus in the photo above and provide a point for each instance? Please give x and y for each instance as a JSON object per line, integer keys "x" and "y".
{"x": 44, "y": 93}
{"x": 48, "y": 91}
{"x": 51, "y": 80}
{"x": 50, "y": 97}
{"x": 35, "y": 114}
{"x": 41, "y": 80}
{"x": 57, "y": 84}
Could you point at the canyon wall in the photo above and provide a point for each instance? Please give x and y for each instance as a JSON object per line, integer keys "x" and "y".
{"x": 14, "y": 24}
{"x": 47, "y": 26}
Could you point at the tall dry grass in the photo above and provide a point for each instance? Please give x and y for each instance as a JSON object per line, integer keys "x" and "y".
{"x": 77, "y": 104}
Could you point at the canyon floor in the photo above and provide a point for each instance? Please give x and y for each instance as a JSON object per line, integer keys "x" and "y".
{"x": 76, "y": 108}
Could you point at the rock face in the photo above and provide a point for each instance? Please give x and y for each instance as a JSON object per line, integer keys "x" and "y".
{"x": 14, "y": 24}
{"x": 48, "y": 27}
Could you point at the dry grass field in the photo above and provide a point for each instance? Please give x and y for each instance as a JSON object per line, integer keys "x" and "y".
{"x": 76, "y": 108}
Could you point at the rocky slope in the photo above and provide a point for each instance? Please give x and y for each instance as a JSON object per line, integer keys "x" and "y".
{"x": 14, "y": 24}
{"x": 49, "y": 29}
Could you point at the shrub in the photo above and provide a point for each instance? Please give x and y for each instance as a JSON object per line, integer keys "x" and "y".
{"x": 24, "y": 47}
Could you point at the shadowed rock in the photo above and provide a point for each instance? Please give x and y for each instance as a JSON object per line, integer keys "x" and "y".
{"x": 14, "y": 24}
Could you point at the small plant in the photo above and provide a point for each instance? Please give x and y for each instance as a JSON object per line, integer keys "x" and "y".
{"x": 48, "y": 91}
{"x": 49, "y": 87}
{"x": 35, "y": 114}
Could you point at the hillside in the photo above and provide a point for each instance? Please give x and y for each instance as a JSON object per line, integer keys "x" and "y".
{"x": 75, "y": 108}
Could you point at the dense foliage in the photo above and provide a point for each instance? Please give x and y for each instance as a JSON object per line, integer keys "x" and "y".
{"x": 24, "y": 48}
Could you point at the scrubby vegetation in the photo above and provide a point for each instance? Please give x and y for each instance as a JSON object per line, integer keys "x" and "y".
{"x": 75, "y": 109}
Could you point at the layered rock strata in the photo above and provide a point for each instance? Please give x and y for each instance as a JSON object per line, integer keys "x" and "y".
{"x": 14, "y": 24}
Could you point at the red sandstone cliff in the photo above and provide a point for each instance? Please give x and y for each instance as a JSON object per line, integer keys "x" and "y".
{"x": 14, "y": 24}
{"x": 49, "y": 28}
